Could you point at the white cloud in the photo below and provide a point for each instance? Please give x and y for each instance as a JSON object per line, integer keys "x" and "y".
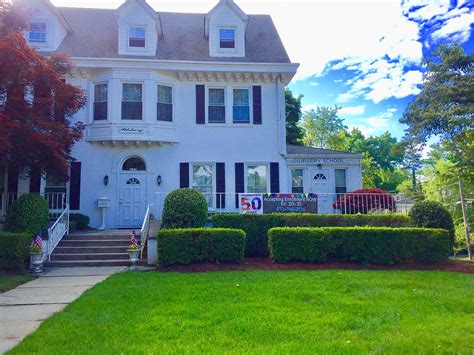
{"x": 385, "y": 121}
{"x": 352, "y": 110}
{"x": 458, "y": 28}
{"x": 314, "y": 83}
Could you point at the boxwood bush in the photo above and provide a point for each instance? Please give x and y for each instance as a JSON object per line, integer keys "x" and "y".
{"x": 14, "y": 250}
{"x": 78, "y": 221}
{"x": 29, "y": 213}
{"x": 378, "y": 245}
{"x": 431, "y": 214}
{"x": 185, "y": 246}
{"x": 184, "y": 208}
{"x": 257, "y": 226}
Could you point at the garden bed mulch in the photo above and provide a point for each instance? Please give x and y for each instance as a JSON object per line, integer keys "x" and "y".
{"x": 267, "y": 264}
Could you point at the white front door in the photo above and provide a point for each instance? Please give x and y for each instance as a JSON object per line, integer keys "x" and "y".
{"x": 321, "y": 185}
{"x": 132, "y": 201}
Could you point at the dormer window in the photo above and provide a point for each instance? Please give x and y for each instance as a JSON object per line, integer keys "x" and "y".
{"x": 227, "y": 38}
{"x": 136, "y": 37}
{"x": 37, "y": 33}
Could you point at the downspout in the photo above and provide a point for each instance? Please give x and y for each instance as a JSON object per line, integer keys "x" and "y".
{"x": 281, "y": 119}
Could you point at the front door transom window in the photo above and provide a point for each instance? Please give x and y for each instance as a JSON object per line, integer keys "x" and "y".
{"x": 134, "y": 164}
{"x": 320, "y": 177}
{"x": 133, "y": 181}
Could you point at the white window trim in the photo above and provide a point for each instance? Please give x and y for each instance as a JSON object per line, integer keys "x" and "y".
{"x": 93, "y": 100}
{"x": 346, "y": 170}
{"x": 216, "y": 124}
{"x": 137, "y": 49}
{"x": 172, "y": 86}
{"x": 227, "y": 50}
{"x": 46, "y": 37}
{"x": 214, "y": 180}
{"x": 267, "y": 174}
{"x": 121, "y": 100}
{"x": 290, "y": 177}
{"x": 250, "y": 122}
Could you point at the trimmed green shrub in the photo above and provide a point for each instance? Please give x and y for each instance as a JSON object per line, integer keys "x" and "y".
{"x": 257, "y": 226}
{"x": 29, "y": 213}
{"x": 431, "y": 214}
{"x": 81, "y": 221}
{"x": 184, "y": 208}
{"x": 14, "y": 251}
{"x": 378, "y": 245}
{"x": 185, "y": 246}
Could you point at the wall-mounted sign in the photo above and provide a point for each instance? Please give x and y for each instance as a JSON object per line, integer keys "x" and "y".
{"x": 311, "y": 161}
{"x": 127, "y": 130}
{"x": 278, "y": 203}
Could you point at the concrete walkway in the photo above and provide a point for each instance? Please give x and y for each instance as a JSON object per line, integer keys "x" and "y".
{"x": 24, "y": 308}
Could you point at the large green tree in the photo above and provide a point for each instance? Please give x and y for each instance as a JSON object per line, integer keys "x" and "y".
{"x": 321, "y": 125}
{"x": 445, "y": 109}
{"x": 294, "y": 133}
{"x": 445, "y": 106}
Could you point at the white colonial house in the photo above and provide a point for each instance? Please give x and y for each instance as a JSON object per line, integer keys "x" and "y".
{"x": 177, "y": 100}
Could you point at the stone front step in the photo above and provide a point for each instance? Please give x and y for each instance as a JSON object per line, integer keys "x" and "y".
{"x": 94, "y": 243}
{"x": 85, "y": 256}
{"x": 81, "y": 263}
{"x": 90, "y": 250}
{"x": 97, "y": 237}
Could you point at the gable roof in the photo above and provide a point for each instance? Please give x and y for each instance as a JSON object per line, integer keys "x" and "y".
{"x": 300, "y": 150}
{"x": 230, "y": 4}
{"x": 147, "y": 8}
{"x": 95, "y": 36}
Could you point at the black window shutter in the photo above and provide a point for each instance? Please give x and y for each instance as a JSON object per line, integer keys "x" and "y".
{"x": 200, "y": 105}
{"x": 35, "y": 181}
{"x": 183, "y": 175}
{"x": 12, "y": 181}
{"x": 220, "y": 185}
{"x": 274, "y": 178}
{"x": 75, "y": 186}
{"x": 239, "y": 182}
{"x": 257, "y": 104}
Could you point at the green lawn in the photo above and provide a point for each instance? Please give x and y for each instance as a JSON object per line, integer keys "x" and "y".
{"x": 9, "y": 281}
{"x": 266, "y": 312}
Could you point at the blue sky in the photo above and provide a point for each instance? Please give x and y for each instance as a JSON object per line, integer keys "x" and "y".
{"x": 364, "y": 56}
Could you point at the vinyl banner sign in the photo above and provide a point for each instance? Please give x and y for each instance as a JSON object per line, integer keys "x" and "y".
{"x": 290, "y": 203}
{"x": 251, "y": 203}
{"x": 278, "y": 203}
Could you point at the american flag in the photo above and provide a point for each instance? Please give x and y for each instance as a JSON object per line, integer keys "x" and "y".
{"x": 133, "y": 239}
{"x": 38, "y": 242}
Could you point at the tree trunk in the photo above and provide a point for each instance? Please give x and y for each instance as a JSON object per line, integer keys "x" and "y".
{"x": 464, "y": 216}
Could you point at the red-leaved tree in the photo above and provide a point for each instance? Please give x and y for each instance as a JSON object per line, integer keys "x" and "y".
{"x": 365, "y": 201}
{"x": 35, "y": 104}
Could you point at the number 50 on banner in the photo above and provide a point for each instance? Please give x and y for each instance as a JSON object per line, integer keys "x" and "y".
{"x": 251, "y": 203}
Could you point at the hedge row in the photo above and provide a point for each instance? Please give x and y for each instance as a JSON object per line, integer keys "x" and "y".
{"x": 185, "y": 246}
{"x": 14, "y": 251}
{"x": 256, "y": 226}
{"x": 362, "y": 244}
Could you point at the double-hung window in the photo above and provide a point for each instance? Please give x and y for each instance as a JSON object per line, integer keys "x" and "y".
{"x": 100, "y": 102}
{"x": 37, "y": 33}
{"x": 203, "y": 181}
{"x": 132, "y": 102}
{"x": 216, "y": 112}
{"x": 256, "y": 179}
{"x": 165, "y": 103}
{"x": 297, "y": 181}
{"x": 241, "y": 107}
{"x": 137, "y": 37}
{"x": 226, "y": 38}
{"x": 340, "y": 177}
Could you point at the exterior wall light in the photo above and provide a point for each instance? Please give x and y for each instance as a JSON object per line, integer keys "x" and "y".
{"x": 158, "y": 180}
{"x": 106, "y": 180}
{"x": 320, "y": 166}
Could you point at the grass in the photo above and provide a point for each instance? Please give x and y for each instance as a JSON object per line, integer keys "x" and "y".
{"x": 9, "y": 280}
{"x": 266, "y": 312}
